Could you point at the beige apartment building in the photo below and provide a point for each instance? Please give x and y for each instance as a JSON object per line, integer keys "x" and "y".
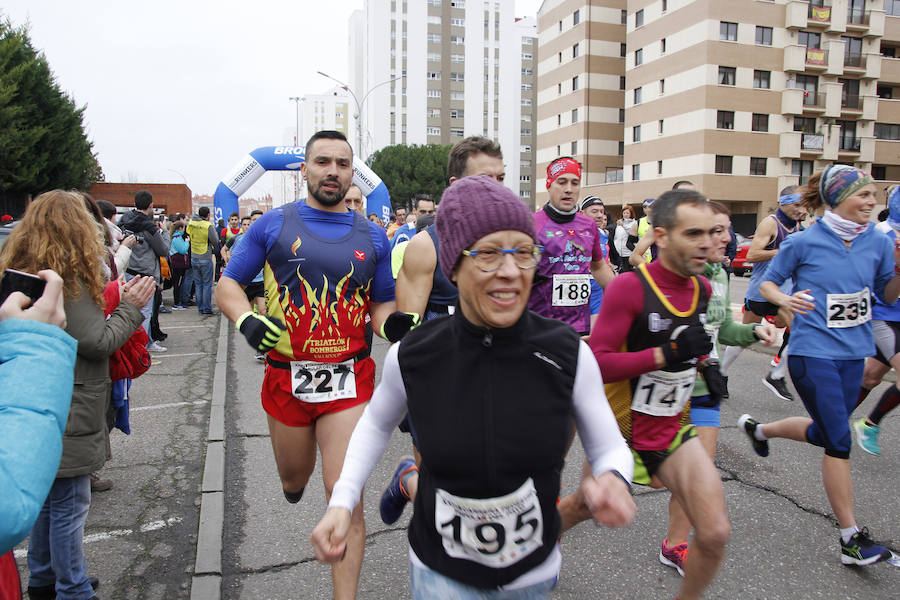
{"x": 741, "y": 97}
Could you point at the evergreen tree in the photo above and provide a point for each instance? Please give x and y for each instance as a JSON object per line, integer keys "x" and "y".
{"x": 43, "y": 144}
{"x": 410, "y": 170}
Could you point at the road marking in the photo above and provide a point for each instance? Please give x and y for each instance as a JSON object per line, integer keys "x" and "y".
{"x": 184, "y": 326}
{"x": 179, "y": 355}
{"x": 171, "y": 405}
{"x": 114, "y": 533}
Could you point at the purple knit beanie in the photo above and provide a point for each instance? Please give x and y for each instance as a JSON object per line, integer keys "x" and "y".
{"x": 473, "y": 207}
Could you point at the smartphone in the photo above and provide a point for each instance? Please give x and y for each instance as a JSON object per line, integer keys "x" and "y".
{"x": 17, "y": 281}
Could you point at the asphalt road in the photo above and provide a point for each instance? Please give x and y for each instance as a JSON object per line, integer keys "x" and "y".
{"x": 142, "y": 535}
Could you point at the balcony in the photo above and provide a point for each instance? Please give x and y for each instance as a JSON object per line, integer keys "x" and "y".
{"x": 854, "y": 61}
{"x": 851, "y": 103}
{"x": 792, "y": 101}
{"x": 814, "y": 102}
{"x": 868, "y": 22}
{"x": 890, "y": 70}
{"x": 849, "y": 145}
{"x": 812, "y": 143}
{"x": 818, "y": 16}
{"x": 816, "y": 59}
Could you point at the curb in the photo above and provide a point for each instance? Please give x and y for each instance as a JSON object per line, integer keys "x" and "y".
{"x": 206, "y": 583}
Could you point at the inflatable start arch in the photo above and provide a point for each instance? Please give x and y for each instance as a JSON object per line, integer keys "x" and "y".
{"x": 289, "y": 158}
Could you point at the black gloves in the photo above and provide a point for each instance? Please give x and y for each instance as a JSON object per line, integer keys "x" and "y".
{"x": 715, "y": 382}
{"x": 399, "y": 324}
{"x": 262, "y": 332}
{"x": 692, "y": 342}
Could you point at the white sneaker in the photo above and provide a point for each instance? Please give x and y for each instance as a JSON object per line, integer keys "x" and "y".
{"x": 155, "y": 347}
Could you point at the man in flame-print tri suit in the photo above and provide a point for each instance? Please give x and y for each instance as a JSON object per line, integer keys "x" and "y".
{"x": 325, "y": 269}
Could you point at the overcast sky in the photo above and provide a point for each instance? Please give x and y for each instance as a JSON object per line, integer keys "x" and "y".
{"x": 180, "y": 90}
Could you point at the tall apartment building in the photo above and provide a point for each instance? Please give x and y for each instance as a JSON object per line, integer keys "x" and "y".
{"x": 742, "y": 97}
{"x": 460, "y": 68}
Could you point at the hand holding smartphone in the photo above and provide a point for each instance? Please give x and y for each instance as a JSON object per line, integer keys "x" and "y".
{"x": 42, "y": 292}
{"x": 17, "y": 281}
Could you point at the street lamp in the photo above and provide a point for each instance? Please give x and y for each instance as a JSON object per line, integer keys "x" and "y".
{"x": 359, "y": 105}
{"x": 296, "y": 100}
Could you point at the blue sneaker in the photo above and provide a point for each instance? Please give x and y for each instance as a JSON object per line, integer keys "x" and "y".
{"x": 867, "y": 436}
{"x": 861, "y": 550}
{"x": 395, "y": 497}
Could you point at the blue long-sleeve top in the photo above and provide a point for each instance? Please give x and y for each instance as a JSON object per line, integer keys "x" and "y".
{"x": 37, "y": 363}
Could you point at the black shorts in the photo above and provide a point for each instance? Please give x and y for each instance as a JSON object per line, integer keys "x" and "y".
{"x": 887, "y": 340}
{"x": 648, "y": 462}
{"x": 762, "y": 309}
{"x": 255, "y": 289}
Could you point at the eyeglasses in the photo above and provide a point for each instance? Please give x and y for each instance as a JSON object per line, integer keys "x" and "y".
{"x": 490, "y": 259}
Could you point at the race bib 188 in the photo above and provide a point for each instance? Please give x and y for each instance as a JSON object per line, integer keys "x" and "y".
{"x": 848, "y": 310}
{"x": 323, "y": 382}
{"x": 663, "y": 394}
{"x": 495, "y": 532}
{"x": 571, "y": 290}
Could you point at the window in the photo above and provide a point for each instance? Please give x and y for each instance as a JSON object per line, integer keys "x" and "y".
{"x": 879, "y": 172}
{"x": 803, "y": 169}
{"x": 434, "y": 113}
{"x": 726, "y": 75}
{"x": 892, "y": 7}
{"x": 434, "y": 93}
{"x": 887, "y": 131}
{"x": 559, "y": 88}
{"x": 434, "y": 38}
{"x": 757, "y": 165}
{"x": 621, "y": 115}
{"x": 763, "y": 35}
{"x": 560, "y": 57}
{"x": 458, "y": 21}
{"x": 524, "y": 178}
{"x": 723, "y": 164}
{"x": 886, "y": 92}
{"x": 458, "y": 3}
{"x": 525, "y": 73}
{"x": 665, "y": 6}
{"x": 810, "y": 39}
{"x": 525, "y": 55}
{"x": 559, "y": 120}
{"x": 457, "y": 58}
{"x": 725, "y": 119}
{"x": 435, "y": 75}
{"x": 574, "y": 148}
{"x": 575, "y": 51}
{"x": 613, "y": 174}
{"x": 849, "y": 93}
{"x": 638, "y": 57}
{"x": 762, "y": 79}
{"x": 575, "y": 83}
{"x": 639, "y": 18}
{"x": 624, "y": 17}
{"x": 574, "y": 115}
{"x": 525, "y": 165}
{"x": 460, "y": 40}
{"x": 434, "y": 20}
{"x": 560, "y": 25}
{"x": 622, "y": 50}
{"x": 456, "y": 113}
{"x": 525, "y": 132}
{"x": 621, "y": 148}
{"x": 805, "y": 124}
{"x": 433, "y": 130}
{"x": 662, "y": 87}
{"x": 727, "y": 31}
{"x": 659, "y": 167}
{"x": 526, "y": 41}
{"x": 456, "y": 131}
{"x": 635, "y": 172}
{"x": 525, "y": 148}
{"x": 638, "y": 95}
{"x": 660, "y": 127}
{"x": 662, "y": 46}
{"x": 852, "y": 51}
{"x": 434, "y": 57}
{"x": 809, "y": 83}
{"x": 576, "y": 18}
{"x": 526, "y": 87}
{"x": 636, "y": 133}
{"x": 525, "y": 101}
{"x": 759, "y": 122}
{"x": 621, "y": 82}
{"x": 848, "y": 140}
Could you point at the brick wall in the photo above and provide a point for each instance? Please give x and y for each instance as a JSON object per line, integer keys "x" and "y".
{"x": 171, "y": 197}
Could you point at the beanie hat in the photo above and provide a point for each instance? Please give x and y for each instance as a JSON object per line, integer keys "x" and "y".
{"x": 473, "y": 207}
{"x": 894, "y": 206}
{"x": 839, "y": 182}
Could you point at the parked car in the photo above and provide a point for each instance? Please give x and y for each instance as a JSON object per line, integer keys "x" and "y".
{"x": 739, "y": 265}
{"x": 5, "y": 230}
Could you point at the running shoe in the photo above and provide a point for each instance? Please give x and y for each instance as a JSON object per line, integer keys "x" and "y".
{"x": 749, "y": 425}
{"x": 164, "y": 309}
{"x": 861, "y": 550}
{"x": 179, "y": 307}
{"x": 155, "y": 347}
{"x": 395, "y": 497}
{"x": 775, "y": 360}
{"x": 778, "y": 387}
{"x": 725, "y": 395}
{"x": 674, "y": 557}
{"x": 867, "y": 436}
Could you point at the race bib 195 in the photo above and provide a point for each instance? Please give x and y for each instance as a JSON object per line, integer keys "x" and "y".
{"x": 663, "y": 394}
{"x": 323, "y": 382}
{"x": 495, "y": 532}
{"x": 571, "y": 290}
{"x": 848, "y": 310}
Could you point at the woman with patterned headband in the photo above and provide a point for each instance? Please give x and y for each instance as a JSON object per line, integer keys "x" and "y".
{"x": 836, "y": 264}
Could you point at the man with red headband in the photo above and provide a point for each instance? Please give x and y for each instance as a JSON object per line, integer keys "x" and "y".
{"x": 573, "y": 251}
